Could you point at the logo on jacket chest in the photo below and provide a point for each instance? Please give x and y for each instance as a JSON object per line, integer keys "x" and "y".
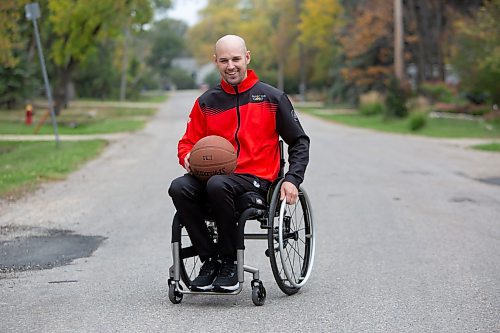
{"x": 258, "y": 98}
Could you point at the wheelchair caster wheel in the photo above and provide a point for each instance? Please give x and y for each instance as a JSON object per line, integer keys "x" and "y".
{"x": 174, "y": 295}
{"x": 258, "y": 293}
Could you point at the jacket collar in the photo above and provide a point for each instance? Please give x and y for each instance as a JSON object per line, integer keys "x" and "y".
{"x": 246, "y": 84}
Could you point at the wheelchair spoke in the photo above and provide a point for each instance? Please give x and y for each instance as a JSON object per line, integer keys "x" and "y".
{"x": 291, "y": 237}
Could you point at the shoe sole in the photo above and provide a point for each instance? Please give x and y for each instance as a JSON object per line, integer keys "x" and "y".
{"x": 227, "y": 288}
{"x": 202, "y": 288}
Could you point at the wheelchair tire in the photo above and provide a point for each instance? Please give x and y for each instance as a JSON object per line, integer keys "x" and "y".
{"x": 190, "y": 264}
{"x": 258, "y": 294}
{"x": 174, "y": 295}
{"x": 290, "y": 241}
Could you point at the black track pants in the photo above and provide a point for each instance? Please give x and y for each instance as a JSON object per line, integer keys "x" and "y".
{"x": 192, "y": 197}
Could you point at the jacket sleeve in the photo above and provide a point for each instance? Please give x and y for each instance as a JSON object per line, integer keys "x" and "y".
{"x": 290, "y": 129}
{"x": 195, "y": 130}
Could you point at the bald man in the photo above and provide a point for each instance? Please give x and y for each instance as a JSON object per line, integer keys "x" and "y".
{"x": 253, "y": 116}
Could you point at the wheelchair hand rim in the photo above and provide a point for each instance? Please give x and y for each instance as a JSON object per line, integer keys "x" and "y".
{"x": 281, "y": 247}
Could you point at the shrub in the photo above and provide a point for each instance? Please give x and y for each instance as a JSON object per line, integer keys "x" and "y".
{"x": 371, "y": 109}
{"x": 395, "y": 101}
{"x": 437, "y": 92}
{"x": 417, "y": 120}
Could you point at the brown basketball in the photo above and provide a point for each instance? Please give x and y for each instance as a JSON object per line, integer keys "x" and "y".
{"x": 212, "y": 155}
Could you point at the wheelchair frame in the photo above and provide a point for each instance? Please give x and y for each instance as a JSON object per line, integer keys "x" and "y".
{"x": 291, "y": 246}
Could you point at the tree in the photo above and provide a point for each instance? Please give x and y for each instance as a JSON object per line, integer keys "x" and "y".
{"x": 319, "y": 27}
{"x": 79, "y": 27}
{"x": 218, "y": 18}
{"x": 367, "y": 43}
{"x": 168, "y": 41}
{"x": 477, "y": 54}
{"x": 11, "y": 23}
{"x": 15, "y": 54}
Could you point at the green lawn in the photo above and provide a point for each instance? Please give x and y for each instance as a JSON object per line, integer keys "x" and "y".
{"x": 441, "y": 128}
{"x": 153, "y": 97}
{"x": 24, "y": 165}
{"x": 79, "y": 120}
{"x": 493, "y": 147}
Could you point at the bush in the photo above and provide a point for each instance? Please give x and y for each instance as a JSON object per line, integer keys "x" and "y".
{"x": 212, "y": 78}
{"x": 181, "y": 78}
{"x": 417, "y": 120}
{"x": 437, "y": 92}
{"x": 395, "y": 101}
{"x": 371, "y": 109}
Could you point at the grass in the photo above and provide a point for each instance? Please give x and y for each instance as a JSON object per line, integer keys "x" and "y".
{"x": 153, "y": 97}
{"x": 80, "y": 119}
{"x": 24, "y": 165}
{"x": 492, "y": 147}
{"x": 435, "y": 127}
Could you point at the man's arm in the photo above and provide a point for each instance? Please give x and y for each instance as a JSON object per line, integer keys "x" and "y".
{"x": 290, "y": 129}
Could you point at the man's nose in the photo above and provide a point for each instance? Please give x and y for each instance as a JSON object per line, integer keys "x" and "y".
{"x": 230, "y": 64}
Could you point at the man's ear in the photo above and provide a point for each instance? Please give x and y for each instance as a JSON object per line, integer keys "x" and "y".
{"x": 215, "y": 59}
{"x": 248, "y": 57}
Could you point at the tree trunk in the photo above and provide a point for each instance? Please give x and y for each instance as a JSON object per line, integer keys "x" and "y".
{"x": 398, "y": 41}
{"x": 61, "y": 93}
{"x": 123, "y": 80}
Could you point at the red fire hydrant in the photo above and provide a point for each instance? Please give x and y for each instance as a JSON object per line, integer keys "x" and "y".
{"x": 29, "y": 114}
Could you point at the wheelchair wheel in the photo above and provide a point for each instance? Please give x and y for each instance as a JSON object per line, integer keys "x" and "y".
{"x": 290, "y": 241}
{"x": 174, "y": 295}
{"x": 190, "y": 262}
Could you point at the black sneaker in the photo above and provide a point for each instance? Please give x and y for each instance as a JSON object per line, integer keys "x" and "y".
{"x": 205, "y": 278}
{"x": 227, "y": 280}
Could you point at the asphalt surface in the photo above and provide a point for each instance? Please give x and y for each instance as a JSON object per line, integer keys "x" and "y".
{"x": 408, "y": 240}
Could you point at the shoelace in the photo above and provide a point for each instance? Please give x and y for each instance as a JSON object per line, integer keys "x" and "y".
{"x": 227, "y": 269}
{"x": 207, "y": 268}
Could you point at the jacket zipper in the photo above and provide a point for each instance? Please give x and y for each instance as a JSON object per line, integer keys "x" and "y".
{"x": 238, "y": 126}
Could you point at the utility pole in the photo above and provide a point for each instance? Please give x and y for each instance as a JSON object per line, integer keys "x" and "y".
{"x": 32, "y": 13}
{"x": 398, "y": 40}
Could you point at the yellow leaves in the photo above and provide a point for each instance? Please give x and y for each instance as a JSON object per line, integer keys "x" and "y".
{"x": 219, "y": 18}
{"x": 319, "y": 20}
{"x": 80, "y": 25}
{"x": 11, "y": 13}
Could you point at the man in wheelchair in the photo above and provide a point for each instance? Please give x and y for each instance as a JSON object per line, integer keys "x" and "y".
{"x": 253, "y": 116}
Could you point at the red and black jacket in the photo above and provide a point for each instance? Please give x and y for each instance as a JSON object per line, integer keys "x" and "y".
{"x": 252, "y": 116}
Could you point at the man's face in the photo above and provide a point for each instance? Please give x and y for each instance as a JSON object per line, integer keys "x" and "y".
{"x": 232, "y": 61}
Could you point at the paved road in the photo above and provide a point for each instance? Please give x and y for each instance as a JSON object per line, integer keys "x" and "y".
{"x": 408, "y": 240}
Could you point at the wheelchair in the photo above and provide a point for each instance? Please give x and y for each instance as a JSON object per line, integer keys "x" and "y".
{"x": 288, "y": 229}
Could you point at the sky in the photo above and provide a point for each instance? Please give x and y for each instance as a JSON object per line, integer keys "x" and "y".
{"x": 186, "y": 10}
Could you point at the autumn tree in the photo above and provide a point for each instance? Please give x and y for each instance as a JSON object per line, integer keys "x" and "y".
{"x": 16, "y": 54}
{"x": 367, "y": 43}
{"x": 79, "y": 26}
{"x": 218, "y": 18}
{"x": 476, "y": 56}
{"x": 320, "y": 23}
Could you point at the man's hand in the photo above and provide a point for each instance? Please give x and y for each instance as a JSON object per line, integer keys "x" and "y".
{"x": 290, "y": 192}
{"x": 186, "y": 162}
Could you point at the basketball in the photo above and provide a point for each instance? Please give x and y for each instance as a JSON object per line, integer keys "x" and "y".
{"x": 212, "y": 155}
